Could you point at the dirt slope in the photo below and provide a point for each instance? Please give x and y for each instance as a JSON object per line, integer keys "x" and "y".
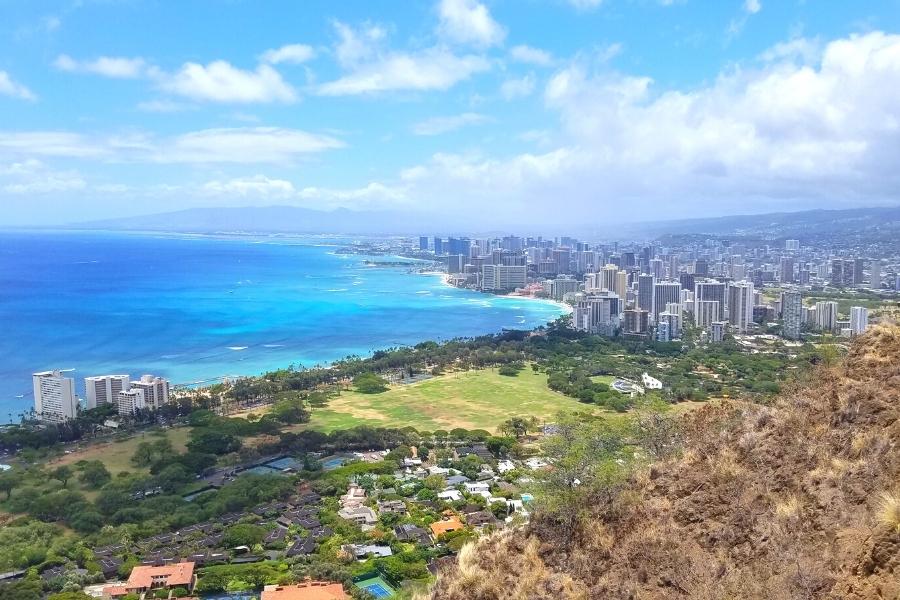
{"x": 799, "y": 500}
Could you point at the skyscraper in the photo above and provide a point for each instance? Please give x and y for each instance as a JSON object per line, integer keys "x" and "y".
{"x": 103, "y": 389}
{"x": 740, "y": 305}
{"x": 706, "y": 312}
{"x": 859, "y": 319}
{"x": 826, "y": 315}
{"x": 645, "y": 292}
{"x": 787, "y": 269}
{"x": 155, "y": 389}
{"x": 665, "y": 292}
{"x": 710, "y": 290}
{"x": 423, "y": 243}
{"x": 792, "y": 313}
{"x": 54, "y": 397}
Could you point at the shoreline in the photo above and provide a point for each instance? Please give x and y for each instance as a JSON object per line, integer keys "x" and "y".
{"x": 566, "y": 308}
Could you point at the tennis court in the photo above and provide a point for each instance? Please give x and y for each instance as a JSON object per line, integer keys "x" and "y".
{"x": 376, "y": 586}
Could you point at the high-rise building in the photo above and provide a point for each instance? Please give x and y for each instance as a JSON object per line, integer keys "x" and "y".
{"x": 561, "y": 286}
{"x": 438, "y": 245}
{"x": 792, "y": 313}
{"x": 657, "y": 268}
{"x": 842, "y": 272}
{"x": 875, "y": 274}
{"x": 786, "y": 272}
{"x": 859, "y": 319}
{"x": 54, "y": 397}
{"x": 717, "y": 331}
{"x": 706, "y": 312}
{"x": 455, "y": 263}
{"x": 792, "y": 245}
{"x": 710, "y": 290}
{"x": 622, "y": 285}
{"x": 664, "y": 292}
{"x": 701, "y": 267}
{"x": 740, "y": 305}
{"x": 598, "y": 314}
{"x": 423, "y": 243}
{"x": 663, "y": 331}
{"x": 156, "y": 390}
{"x": 608, "y": 278}
{"x": 677, "y": 309}
{"x": 637, "y": 321}
{"x": 687, "y": 281}
{"x": 645, "y": 292}
{"x": 103, "y": 389}
{"x": 128, "y": 401}
{"x": 563, "y": 258}
{"x": 503, "y": 277}
{"x": 858, "y": 267}
{"x": 826, "y": 315}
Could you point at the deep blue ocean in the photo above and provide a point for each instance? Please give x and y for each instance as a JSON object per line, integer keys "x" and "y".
{"x": 195, "y": 308}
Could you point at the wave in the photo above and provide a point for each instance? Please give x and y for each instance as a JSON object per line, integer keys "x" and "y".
{"x": 273, "y": 345}
{"x": 337, "y": 290}
{"x": 238, "y": 348}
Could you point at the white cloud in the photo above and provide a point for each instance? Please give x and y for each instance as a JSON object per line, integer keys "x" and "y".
{"x": 585, "y": 4}
{"x": 291, "y": 53}
{"x": 439, "y": 125}
{"x": 9, "y": 87}
{"x": 432, "y": 69}
{"x": 107, "y": 66}
{"x": 530, "y": 55}
{"x": 357, "y": 45}
{"x": 34, "y": 177}
{"x": 257, "y": 185}
{"x": 246, "y": 145}
{"x": 219, "y": 81}
{"x": 518, "y": 88}
{"x": 777, "y": 136}
{"x": 163, "y": 106}
{"x": 469, "y": 22}
{"x": 752, "y": 6}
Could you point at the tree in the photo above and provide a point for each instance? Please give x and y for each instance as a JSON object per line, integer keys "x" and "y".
{"x": 243, "y": 534}
{"x": 214, "y": 442}
{"x": 9, "y": 480}
{"x": 370, "y": 383}
{"x": 94, "y": 474}
{"x": 63, "y": 473}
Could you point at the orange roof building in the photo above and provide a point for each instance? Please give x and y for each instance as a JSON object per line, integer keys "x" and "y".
{"x": 446, "y": 526}
{"x": 167, "y": 576}
{"x": 310, "y": 590}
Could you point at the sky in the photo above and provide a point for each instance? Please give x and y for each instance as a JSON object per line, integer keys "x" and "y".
{"x": 501, "y": 111}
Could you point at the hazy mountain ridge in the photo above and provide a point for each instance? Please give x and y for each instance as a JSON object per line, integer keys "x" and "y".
{"x": 863, "y": 223}
{"x": 796, "y": 500}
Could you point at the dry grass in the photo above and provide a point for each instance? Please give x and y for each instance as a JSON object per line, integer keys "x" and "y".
{"x": 889, "y": 510}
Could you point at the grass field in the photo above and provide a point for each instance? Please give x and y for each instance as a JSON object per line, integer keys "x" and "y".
{"x": 472, "y": 400}
{"x": 116, "y": 455}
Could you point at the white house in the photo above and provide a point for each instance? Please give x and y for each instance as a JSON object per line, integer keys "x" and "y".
{"x": 651, "y": 383}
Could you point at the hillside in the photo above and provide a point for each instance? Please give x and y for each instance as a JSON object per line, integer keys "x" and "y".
{"x": 797, "y": 500}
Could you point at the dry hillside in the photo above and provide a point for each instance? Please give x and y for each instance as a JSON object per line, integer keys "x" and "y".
{"x": 797, "y": 500}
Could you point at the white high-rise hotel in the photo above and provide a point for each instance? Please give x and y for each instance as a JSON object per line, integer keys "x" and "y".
{"x": 54, "y": 397}
{"x": 740, "y": 305}
{"x": 104, "y": 389}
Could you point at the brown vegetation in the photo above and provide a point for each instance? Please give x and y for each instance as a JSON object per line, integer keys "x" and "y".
{"x": 796, "y": 500}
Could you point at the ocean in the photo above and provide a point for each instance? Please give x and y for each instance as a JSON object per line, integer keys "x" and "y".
{"x": 197, "y": 308}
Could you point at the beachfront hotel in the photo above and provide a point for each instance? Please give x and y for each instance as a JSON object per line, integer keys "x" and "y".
{"x": 54, "y": 397}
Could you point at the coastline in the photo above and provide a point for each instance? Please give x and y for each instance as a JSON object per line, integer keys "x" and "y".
{"x": 566, "y": 308}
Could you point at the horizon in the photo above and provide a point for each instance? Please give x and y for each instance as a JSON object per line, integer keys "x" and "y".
{"x": 555, "y": 112}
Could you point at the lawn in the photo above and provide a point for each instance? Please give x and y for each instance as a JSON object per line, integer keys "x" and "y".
{"x": 116, "y": 454}
{"x": 472, "y": 400}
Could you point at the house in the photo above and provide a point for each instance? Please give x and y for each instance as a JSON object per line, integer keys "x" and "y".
{"x": 479, "y": 450}
{"x": 302, "y": 547}
{"x": 310, "y": 590}
{"x": 363, "y": 551}
{"x": 651, "y": 383}
{"x": 361, "y": 515}
{"x": 455, "y": 480}
{"x": 392, "y": 506}
{"x": 535, "y": 463}
{"x": 505, "y": 466}
{"x": 354, "y": 497}
{"x": 436, "y": 470}
{"x": 143, "y": 579}
{"x": 448, "y": 524}
{"x": 408, "y": 532}
{"x": 450, "y": 495}
{"x": 412, "y": 462}
{"x": 478, "y": 488}
{"x": 481, "y": 519}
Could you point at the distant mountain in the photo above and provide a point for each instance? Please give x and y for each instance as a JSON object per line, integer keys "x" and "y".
{"x": 882, "y": 223}
{"x": 268, "y": 219}
{"x": 861, "y": 223}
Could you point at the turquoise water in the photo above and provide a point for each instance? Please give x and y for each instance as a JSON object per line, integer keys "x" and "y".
{"x": 196, "y": 308}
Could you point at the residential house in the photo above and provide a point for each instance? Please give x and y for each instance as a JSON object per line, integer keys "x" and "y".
{"x": 309, "y": 590}
{"x": 449, "y": 523}
{"x": 361, "y": 515}
{"x": 364, "y": 551}
{"x": 144, "y": 579}
{"x": 408, "y": 532}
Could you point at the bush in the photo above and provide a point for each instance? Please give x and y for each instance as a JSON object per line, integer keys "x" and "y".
{"x": 370, "y": 383}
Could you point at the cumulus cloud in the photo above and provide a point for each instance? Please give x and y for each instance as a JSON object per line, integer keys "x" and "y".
{"x": 469, "y": 22}
{"x": 291, "y": 53}
{"x": 115, "y": 67}
{"x": 439, "y": 125}
{"x": 530, "y": 55}
{"x": 9, "y": 87}
{"x": 257, "y": 185}
{"x": 752, "y": 6}
{"x": 777, "y": 135}
{"x": 220, "y": 81}
{"x": 356, "y": 45}
{"x": 242, "y": 145}
{"x": 431, "y": 69}
{"x": 34, "y": 177}
{"x": 518, "y": 88}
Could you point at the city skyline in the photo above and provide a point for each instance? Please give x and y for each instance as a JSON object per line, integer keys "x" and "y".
{"x": 558, "y": 110}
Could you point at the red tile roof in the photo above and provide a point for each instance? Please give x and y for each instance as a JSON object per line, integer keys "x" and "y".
{"x": 174, "y": 575}
{"x": 310, "y": 590}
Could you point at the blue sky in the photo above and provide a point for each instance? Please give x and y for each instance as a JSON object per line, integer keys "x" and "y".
{"x": 512, "y": 111}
